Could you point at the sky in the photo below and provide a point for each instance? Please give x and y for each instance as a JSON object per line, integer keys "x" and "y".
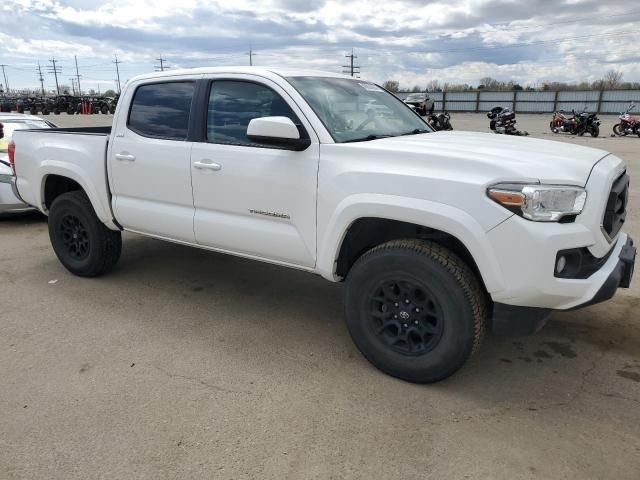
{"x": 411, "y": 41}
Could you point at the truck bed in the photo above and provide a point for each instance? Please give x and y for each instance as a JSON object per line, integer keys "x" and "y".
{"x": 76, "y": 153}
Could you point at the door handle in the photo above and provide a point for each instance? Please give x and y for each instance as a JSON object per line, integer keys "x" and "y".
{"x": 207, "y": 165}
{"x": 125, "y": 157}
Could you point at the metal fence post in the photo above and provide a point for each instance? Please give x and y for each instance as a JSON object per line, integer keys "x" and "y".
{"x": 513, "y": 102}
{"x": 444, "y": 101}
{"x": 477, "y": 101}
{"x": 600, "y": 101}
{"x": 555, "y": 102}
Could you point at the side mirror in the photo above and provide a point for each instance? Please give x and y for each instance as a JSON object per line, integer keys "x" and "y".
{"x": 277, "y": 131}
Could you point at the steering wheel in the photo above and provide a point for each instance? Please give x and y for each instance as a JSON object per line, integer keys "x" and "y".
{"x": 370, "y": 118}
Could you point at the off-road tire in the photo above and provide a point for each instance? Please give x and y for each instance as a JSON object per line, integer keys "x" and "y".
{"x": 445, "y": 278}
{"x": 103, "y": 246}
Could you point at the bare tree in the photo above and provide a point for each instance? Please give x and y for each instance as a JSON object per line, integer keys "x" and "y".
{"x": 392, "y": 85}
{"x": 434, "y": 86}
{"x": 612, "y": 79}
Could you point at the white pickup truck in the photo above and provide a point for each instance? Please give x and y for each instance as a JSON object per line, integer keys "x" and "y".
{"x": 438, "y": 236}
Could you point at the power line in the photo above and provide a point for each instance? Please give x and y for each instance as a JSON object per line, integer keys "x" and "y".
{"x": 55, "y": 70}
{"x": 352, "y": 69}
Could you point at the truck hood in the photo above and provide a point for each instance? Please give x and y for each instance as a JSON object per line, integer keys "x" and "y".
{"x": 497, "y": 157}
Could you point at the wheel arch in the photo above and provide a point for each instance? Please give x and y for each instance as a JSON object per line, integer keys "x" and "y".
{"x": 57, "y": 181}
{"x": 357, "y": 228}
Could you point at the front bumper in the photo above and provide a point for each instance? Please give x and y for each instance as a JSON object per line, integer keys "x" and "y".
{"x": 519, "y": 320}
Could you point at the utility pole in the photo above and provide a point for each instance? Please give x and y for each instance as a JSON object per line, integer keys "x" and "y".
{"x": 251, "y": 54}
{"x": 117, "y": 62}
{"x": 41, "y": 78}
{"x": 351, "y": 69}
{"x": 78, "y": 77}
{"x": 162, "y": 65}
{"x": 55, "y": 70}
{"x": 73, "y": 85}
{"x": 6, "y": 82}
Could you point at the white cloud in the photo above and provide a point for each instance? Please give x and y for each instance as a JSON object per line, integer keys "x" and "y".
{"x": 412, "y": 41}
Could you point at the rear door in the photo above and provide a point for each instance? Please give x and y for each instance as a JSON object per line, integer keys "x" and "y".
{"x": 149, "y": 162}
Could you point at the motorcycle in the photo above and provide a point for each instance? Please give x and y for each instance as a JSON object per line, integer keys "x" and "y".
{"x": 503, "y": 121}
{"x": 576, "y": 124}
{"x": 629, "y": 124}
{"x": 440, "y": 121}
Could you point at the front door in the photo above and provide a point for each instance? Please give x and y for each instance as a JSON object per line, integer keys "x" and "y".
{"x": 253, "y": 199}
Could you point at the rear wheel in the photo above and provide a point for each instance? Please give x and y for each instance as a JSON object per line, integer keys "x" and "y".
{"x": 82, "y": 243}
{"x": 415, "y": 310}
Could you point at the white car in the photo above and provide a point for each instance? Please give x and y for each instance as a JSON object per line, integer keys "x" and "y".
{"x": 10, "y": 122}
{"x": 439, "y": 236}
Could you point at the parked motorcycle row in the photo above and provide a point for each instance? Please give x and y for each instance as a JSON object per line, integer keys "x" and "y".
{"x": 58, "y": 104}
{"x": 575, "y": 124}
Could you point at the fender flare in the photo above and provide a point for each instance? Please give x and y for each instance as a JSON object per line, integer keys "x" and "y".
{"x": 451, "y": 220}
{"x": 100, "y": 202}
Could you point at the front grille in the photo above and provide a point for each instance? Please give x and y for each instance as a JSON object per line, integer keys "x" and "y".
{"x": 616, "y": 212}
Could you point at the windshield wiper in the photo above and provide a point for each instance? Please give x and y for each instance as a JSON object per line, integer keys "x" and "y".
{"x": 417, "y": 131}
{"x": 367, "y": 138}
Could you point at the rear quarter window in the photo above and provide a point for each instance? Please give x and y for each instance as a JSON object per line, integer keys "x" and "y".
{"x": 161, "y": 110}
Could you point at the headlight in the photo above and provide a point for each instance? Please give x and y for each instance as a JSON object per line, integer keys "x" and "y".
{"x": 540, "y": 203}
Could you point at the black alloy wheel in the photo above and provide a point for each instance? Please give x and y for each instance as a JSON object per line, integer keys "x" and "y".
{"x": 406, "y": 316}
{"x": 75, "y": 237}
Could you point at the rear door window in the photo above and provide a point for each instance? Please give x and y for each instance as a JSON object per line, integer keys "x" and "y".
{"x": 162, "y": 110}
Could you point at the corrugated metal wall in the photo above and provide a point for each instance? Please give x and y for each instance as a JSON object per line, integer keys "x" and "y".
{"x": 607, "y": 101}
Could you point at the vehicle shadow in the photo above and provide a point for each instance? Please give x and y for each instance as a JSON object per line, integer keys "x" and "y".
{"x": 293, "y": 321}
{"x": 22, "y": 219}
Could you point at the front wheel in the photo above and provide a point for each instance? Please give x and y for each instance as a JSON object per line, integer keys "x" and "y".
{"x": 595, "y": 131}
{"x": 82, "y": 243}
{"x": 618, "y": 130}
{"x": 415, "y": 310}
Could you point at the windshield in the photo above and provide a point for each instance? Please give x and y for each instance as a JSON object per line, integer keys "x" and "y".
{"x": 354, "y": 110}
{"x": 10, "y": 126}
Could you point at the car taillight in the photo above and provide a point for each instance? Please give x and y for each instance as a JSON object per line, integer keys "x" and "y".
{"x": 12, "y": 156}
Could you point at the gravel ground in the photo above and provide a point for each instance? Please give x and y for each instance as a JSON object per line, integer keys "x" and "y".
{"x": 188, "y": 364}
